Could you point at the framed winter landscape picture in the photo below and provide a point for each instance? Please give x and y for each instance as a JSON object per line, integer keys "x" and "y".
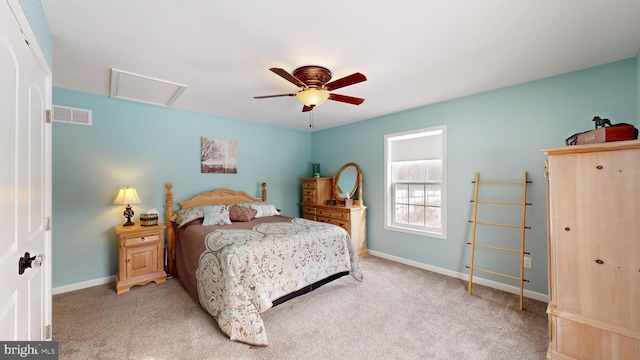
{"x": 218, "y": 156}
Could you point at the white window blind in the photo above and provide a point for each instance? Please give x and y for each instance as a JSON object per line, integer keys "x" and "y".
{"x": 427, "y": 145}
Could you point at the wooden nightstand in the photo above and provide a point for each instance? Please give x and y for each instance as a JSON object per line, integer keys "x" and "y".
{"x": 140, "y": 255}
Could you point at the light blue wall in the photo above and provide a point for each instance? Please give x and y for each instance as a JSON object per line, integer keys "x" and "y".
{"x": 498, "y": 134}
{"x": 145, "y": 146}
{"x": 40, "y": 27}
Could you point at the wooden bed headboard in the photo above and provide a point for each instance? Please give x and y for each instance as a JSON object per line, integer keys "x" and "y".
{"x": 219, "y": 196}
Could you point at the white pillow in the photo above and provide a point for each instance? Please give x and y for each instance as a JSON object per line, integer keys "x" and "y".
{"x": 264, "y": 210}
{"x": 216, "y": 215}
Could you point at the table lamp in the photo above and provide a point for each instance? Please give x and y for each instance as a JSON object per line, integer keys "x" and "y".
{"x": 127, "y": 196}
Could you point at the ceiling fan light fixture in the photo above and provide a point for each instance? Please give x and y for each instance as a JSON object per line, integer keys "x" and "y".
{"x": 313, "y": 97}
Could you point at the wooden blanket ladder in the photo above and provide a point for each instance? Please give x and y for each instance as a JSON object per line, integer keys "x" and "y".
{"x": 520, "y": 251}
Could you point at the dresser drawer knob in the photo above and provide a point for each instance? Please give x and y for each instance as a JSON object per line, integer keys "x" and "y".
{"x": 600, "y": 262}
{"x": 599, "y": 167}
{"x": 567, "y": 229}
{"x": 143, "y": 239}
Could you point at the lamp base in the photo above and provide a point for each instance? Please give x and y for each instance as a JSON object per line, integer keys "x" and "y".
{"x": 128, "y": 213}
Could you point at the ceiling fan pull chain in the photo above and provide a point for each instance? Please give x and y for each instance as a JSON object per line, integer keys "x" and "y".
{"x": 311, "y": 118}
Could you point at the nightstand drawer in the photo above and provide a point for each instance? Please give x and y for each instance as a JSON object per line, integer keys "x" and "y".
{"x": 130, "y": 241}
{"x": 334, "y": 214}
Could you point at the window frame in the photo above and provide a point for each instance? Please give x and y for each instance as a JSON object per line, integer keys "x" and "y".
{"x": 389, "y": 193}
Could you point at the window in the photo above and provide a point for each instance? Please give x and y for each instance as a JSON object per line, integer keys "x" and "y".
{"x": 415, "y": 174}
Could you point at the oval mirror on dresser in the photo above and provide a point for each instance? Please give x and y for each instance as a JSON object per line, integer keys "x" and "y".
{"x": 347, "y": 182}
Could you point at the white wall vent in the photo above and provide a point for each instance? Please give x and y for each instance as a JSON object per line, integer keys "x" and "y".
{"x": 71, "y": 115}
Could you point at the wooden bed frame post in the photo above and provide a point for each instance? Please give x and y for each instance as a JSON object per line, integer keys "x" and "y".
{"x": 171, "y": 235}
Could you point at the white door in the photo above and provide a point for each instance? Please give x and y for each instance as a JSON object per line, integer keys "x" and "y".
{"x": 25, "y": 180}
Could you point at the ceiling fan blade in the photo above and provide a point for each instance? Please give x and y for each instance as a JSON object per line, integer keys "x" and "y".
{"x": 306, "y": 108}
{"x": 292, "y": 79}
{"x": 346, "y": 99}
{"x": 270, "y": 96}
{"x": 345, "y": 81}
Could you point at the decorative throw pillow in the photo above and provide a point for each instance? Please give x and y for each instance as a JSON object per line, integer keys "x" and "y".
{"x": 264, "y": 210}
{"x": 241, "y": 213}
{"x": 182, "y": 217}
{"x": 216, "y": 215}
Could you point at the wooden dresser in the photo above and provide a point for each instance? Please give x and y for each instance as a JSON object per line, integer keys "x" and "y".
{"x": 315, "y": 193}
{"x": 594, "y": 251}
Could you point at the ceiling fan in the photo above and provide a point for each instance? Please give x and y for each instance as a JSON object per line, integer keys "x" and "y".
{"x": 315, "y": 86}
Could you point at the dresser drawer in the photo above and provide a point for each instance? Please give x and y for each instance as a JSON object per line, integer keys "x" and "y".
{"x": 308, "y": 196}
{"x": 308, "y": 185}
{"x": 338, "y": 222}
{"x": 333, "y": 214}
{"x": 140, "y": 240}
{"x": 309, "y": 211}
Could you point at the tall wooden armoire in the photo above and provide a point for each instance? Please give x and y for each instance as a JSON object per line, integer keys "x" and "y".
{"x": 594, "y": 251}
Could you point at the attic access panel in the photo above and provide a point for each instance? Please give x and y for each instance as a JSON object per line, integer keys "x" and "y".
{"x": 134, "y": 87}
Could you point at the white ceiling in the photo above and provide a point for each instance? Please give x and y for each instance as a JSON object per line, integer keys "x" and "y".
{"x": 413, "y": 53}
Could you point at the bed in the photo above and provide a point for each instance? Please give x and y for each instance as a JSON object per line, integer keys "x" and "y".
{"x": 237, "y": 256}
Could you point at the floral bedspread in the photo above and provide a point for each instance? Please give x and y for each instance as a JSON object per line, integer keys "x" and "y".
{"x": 242, "y": 271}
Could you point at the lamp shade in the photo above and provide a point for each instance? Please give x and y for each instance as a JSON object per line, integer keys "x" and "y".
{"x": 313, "y": 97}
{"x": 126, "y": 196}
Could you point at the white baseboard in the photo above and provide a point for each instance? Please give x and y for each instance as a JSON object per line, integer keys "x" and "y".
{"x": 82, "y": 285}
{"x": 476, "y": 280}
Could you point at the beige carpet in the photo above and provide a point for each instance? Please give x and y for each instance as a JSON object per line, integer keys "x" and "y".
{"x": 397, "y": 312}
